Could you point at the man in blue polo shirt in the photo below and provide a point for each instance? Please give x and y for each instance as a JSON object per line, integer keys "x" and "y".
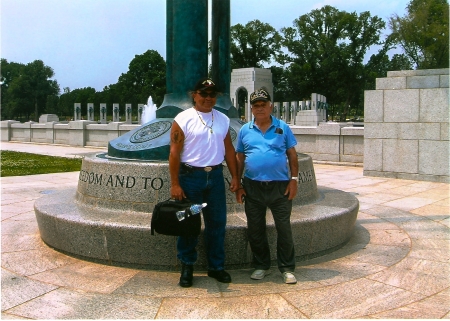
{"x": 267, "y": 157}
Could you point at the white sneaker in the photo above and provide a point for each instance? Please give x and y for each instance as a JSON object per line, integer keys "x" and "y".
{"x": 259, "y": 274}
{"x": 289, "y": 278}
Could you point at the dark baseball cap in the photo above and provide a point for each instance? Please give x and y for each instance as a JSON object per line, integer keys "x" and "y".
{"x": 204, "y": 84}
{"x": 259, "y": 95}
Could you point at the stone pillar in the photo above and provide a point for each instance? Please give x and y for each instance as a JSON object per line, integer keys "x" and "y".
{"x": 285, "y": 115}
{"x": 308, "y": 105}
{"x": 221, "y": 38}
{"x": 169, "y": 42}
{"x": 103, "y": 113}
{"x": 77, "y": 111}
{"x": 302, "y": 105}
{"x": 276, "y": 110}
{"x": 90, "y": 111}
{"x": 128, "y": 113}
{"x": 323, "y": 108}
{"x": 186, "y": 53}
{"x": 313, "y": 101}
{"x": 186, "y": 63}
{"x": 221, "y": 67}
{"x": 140, "y": 111}
{"x": 116, "y": 113}
{"x": 294, "y": 108}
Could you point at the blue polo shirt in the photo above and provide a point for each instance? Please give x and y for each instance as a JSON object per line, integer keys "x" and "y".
{"x": 265, "y": 154}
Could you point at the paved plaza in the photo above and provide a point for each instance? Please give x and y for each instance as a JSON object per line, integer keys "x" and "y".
{"x": 396, "y": 265}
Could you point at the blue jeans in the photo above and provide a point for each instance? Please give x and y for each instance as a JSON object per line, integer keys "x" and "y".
{"x": 205, "y": 187}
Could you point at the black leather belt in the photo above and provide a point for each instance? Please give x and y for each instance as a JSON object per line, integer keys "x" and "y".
{"x": 265, "y": 183}
{"x": 206, "y": 168}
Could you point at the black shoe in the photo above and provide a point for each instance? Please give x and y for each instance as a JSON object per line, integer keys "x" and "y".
{"x": 186, "y": 277}
{"x": 220, "y": 276}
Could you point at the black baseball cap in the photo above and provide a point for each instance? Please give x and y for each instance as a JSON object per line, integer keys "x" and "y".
{"x": 206, "y": 83}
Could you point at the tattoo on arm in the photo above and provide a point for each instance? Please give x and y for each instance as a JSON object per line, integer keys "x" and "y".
{"x": 177, "y": 137}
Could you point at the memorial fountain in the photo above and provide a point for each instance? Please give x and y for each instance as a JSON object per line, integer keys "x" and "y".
{"x": 148, "y": 111}
{"x": 107, "y": 217}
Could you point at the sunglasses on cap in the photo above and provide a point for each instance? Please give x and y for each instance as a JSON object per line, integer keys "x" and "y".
{"x": 204, "y": 94}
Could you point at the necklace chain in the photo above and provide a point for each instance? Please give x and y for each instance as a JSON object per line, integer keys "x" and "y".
{"x": 212, "y": 121}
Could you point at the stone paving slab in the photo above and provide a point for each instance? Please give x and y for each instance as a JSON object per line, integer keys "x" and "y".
{"x": 396, "y": 265}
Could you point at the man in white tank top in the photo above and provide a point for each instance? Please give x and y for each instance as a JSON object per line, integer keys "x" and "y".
{"x": 200, "y": 141}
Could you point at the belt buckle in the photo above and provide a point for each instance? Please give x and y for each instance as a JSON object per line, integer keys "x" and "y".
{"x": 208, "y": 168}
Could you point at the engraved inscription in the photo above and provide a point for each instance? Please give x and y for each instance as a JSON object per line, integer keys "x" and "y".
{"x": 121, "y": 181}
{"x": 150, "y": 131}
{"x": 306, "y": 176}
{"x": 133, "y": 147}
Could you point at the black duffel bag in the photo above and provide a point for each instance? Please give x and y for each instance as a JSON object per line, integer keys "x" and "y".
{"x": 165, "y": 221}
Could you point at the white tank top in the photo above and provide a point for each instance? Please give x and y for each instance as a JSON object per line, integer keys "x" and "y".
{"x": 203, "y": 144}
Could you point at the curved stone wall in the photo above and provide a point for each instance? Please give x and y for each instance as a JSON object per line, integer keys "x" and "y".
{"x": 108, "y": 217}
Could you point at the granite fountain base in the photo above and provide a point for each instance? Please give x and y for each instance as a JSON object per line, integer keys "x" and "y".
{"x": 107, "y": 218}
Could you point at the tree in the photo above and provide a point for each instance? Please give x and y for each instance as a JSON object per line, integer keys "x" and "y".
{"x": 9, "y": 71}
{"x": 281, "y": 91}
{"x": 423, "y": 33}
{"x": 379, "y": 64}
{"x": 146, "y": 76}
{"x": 65, "y": 104}
{"x": 253, "y": 44}
{"x": 28, "y": 91}
{"x": 80, "y": 95}
{"x": 325, "y": 54}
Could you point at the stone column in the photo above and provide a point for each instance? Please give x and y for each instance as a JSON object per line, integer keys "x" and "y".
{"x": 285, "y": 116}
{"x": 221, "y": 70}
{"x": 294, "y": 108}
{"x": 276, "y": 110}
{"x": 77, "y": 111}
{"x": 116, "y": 113}
{"x": 140, "y": 110}
{"x": 128, "y": 113}
{"x": 221, "y": 66}
{"x": 313, "y": 101}
{"x": 308, "y": 105}
{"x": 323, "y": 108}
{"x": 169, "y": 44}
{"x": 186, "y": 51}
{"x": 103, "y": 113}
{"x": 90, "y": 111}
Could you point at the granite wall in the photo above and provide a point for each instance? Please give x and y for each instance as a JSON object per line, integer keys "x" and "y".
{"x": 406, "y": 132}
{"x": 329, "y": 142}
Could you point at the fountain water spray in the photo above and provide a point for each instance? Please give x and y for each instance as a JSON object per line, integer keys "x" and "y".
{"x": 148, "y": 111}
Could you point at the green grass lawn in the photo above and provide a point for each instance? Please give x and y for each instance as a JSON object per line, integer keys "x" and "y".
{"x": 20, "y": 164}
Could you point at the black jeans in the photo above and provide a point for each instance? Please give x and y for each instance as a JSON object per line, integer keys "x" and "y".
{"x": 259, "y": 197}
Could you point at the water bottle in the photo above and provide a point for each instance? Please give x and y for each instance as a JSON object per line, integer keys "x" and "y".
{"x": 194, "y": 209}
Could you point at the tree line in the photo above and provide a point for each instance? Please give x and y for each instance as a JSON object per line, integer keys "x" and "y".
{"x": 325, "y": 51}
{"x": 28, "y": 91}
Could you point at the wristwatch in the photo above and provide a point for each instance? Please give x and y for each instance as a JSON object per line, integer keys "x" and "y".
{"x": 295, "y": 178}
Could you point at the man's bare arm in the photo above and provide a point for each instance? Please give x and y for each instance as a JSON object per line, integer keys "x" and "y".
{"x": 230, "y": 159}
{"x": 240, "y": 160}
{"x": 176, "y": 146}
{"x": 291, "y": 189}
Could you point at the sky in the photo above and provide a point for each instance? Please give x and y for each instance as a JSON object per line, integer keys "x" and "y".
{"x": 90, "y": 43}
